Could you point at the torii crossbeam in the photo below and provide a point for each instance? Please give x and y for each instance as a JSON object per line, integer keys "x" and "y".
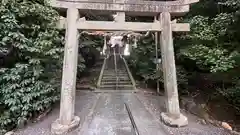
{"x": 126, "y": 26}
{"x": 72, "y": 23}
{"x": 137, "y": 7}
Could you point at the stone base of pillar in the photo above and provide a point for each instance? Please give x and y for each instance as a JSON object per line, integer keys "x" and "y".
{"x": 58, "y": 129}
{"x": 173, "y": 121}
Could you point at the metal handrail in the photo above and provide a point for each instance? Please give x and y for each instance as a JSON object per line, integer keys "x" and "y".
{"x": 101, "y": 73}
{"x": 115, "y": 66}
{"x": 131, "y": 119}
{"x": 129, "y": 73}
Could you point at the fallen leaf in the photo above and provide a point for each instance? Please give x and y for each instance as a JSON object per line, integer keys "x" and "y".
{"x": 226, "y": 126}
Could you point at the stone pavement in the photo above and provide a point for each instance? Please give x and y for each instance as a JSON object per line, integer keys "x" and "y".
{"x": 105, "y": 114}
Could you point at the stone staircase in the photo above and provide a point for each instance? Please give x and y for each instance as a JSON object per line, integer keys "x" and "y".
{"x": 115, "y": 80}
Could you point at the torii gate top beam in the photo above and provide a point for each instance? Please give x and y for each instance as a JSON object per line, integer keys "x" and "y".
{"x": 150, "y": 8}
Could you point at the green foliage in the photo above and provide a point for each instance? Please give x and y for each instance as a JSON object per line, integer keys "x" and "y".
{"x": 207, "y": 47}
{"x": 28, "y": 86}
{"x": 29, "y": 83}
{"x": 210, "y": 50}
{"x": 142, "y": 63}
{"x": 207, "y": 58}
{"x": 23, "y": 94}
{"x": 90, "y": 47}
{"x": 142, "y": 59}
{"x": 213, "y": 45}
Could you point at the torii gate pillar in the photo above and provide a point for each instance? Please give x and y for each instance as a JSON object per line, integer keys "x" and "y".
{"x": 172, "y": 116}
{"x": 67, "y": 120}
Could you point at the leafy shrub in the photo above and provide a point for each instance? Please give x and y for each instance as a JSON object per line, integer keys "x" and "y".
{"x": 210, "y": 50}
{"x": 212, "y": 46}
{"x": 141, "y": 61}
{"x": 28, "y": 85}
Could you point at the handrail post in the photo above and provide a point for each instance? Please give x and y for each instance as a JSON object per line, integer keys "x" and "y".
{"x": 101, "y": 73}
{"x": 115, "y": 66}
{"x": 129, "y": 73}
{"x": 156, "y": 49}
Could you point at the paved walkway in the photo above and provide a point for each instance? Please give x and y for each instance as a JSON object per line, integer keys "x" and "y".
{"x": 110, "y": 117}
{"x": 105, "y": 114}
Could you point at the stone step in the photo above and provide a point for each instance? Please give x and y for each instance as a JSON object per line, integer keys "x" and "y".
{"x": 114, "y": 82}
{"x": 124, "y": 81}
{"x": 113, "y": 70}
{"x": 112, "y": 76}
{"x": 119, "y": 74}
{"x": 114, "y": 91}
{"x": 113, "y": 87}
{"x": 114, "y": 79}
{"x": 122, "y": 89}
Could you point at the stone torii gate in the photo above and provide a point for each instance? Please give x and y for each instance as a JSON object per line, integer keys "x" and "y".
{"x": 72, "y": 23}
